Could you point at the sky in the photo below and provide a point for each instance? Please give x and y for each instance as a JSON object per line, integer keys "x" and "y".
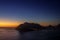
{"x": 44, "y": 12}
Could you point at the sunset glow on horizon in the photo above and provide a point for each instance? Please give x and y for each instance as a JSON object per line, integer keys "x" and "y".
{"x": 15, "y": 12}
{"x": 9, "y": 23}
{"x": 14, "y": 23}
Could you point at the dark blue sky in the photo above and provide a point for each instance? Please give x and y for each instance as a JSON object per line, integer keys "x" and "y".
{"x": 30, "y": 10}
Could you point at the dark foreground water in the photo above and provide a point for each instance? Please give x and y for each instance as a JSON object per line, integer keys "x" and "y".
{"x": 12, "y": 34}
{"x": 8, "y": 34}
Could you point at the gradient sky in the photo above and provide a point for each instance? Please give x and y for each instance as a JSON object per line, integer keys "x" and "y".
{"x": 44, "y": 12}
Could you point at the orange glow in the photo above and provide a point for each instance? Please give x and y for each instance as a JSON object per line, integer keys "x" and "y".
{"x": 9, "y": 23}
{"x": 15, "y": 23}
{"x": 44, "y": 23}
{"x": 48, "y": 23}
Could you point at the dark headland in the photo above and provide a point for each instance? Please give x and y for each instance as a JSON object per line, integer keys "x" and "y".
{"x": 49, "y": 33}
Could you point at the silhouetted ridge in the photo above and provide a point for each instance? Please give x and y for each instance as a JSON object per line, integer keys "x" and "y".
{"x": 26, "y": 27}
{"x": 58, "y": 25}
{"x": 29, "y": 27}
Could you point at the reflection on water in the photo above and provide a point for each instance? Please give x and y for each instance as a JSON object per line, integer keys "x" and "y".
{"x": 12, "y": 34}
{"x": 7, "y": 34}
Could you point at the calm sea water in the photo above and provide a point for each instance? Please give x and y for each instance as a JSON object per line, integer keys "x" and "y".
{"x": 9, "y": 34}
{"x": 12, "y": 34}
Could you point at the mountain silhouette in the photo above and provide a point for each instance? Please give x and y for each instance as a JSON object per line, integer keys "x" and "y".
{"x": 26, "y": 27}
{"x": 29, "y": 27}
